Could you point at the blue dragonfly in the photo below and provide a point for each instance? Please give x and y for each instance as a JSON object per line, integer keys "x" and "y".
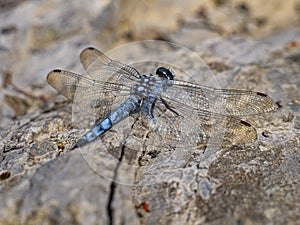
{"x": 113, "y": 91}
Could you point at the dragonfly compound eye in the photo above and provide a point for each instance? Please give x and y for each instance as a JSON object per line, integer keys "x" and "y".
{"x": 166, "y": 73}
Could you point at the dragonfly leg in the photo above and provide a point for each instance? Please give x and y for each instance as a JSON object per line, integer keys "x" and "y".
{"x": 168, "y": 107}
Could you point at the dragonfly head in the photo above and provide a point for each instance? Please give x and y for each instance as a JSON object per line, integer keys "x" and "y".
{"x": 165, "y": 73}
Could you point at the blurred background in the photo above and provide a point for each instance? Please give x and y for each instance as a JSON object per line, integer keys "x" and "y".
{"x": 38, "y": 36}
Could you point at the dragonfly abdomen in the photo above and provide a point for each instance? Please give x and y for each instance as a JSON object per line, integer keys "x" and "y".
{"x": 127, "y": 108}
{"x": 95, "y": 132}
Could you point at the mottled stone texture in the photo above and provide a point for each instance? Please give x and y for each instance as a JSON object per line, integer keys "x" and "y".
{"x": 43, "y": 181}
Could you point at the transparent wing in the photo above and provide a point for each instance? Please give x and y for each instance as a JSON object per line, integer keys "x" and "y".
{"x": 183, "y": 119}
{"x": 177, "y": 129}
{"x": 102, "y": 68}
{"x": 108, "y": 88}
{"x": 230, "y": 129}
{"x": 95, "y": 97}
{"x": 221, "y": 101}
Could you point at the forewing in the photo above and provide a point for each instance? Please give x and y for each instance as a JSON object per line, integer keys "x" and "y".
{"x": 100, "y": 67}
{"x": 223, "y": 101}
{"x": 95, "y": 97}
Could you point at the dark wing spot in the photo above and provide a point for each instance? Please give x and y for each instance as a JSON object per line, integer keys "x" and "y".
{"x": 262, "y": 94}
{"x": 245, "y": 123}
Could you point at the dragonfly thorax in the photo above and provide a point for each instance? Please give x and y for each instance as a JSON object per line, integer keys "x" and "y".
{"x": 150, "y": 85}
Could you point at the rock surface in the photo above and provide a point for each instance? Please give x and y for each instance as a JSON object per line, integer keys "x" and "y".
{"x": 43, "y": 181}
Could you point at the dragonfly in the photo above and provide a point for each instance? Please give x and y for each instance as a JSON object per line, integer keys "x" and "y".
{"x": 174, "y": 109}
